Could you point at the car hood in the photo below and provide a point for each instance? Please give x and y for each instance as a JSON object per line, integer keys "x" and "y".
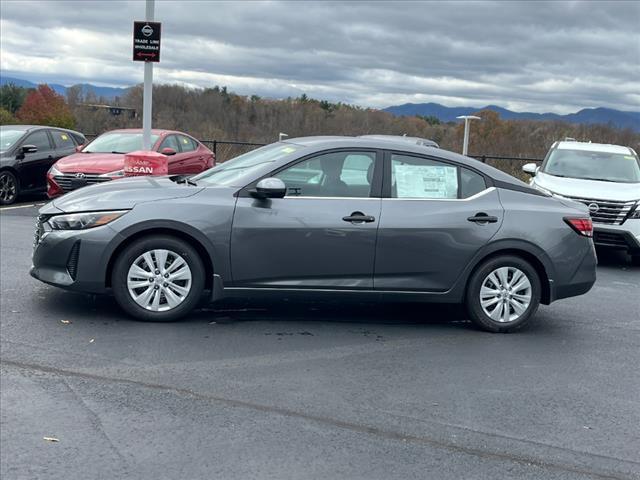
{"x": 589, "y": 189}
{"x": 120, "y": 194}
{"x": 91, "y": 163}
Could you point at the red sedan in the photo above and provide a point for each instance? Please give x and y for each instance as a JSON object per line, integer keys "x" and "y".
{"x": 103, "y": 159}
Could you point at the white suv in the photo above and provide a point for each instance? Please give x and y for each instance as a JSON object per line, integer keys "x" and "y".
{"x": 606, "y": 178}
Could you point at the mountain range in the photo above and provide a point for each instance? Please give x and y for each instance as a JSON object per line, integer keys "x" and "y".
{"x": 601, "y": 115}
{"x": 617, "y": 118}
{"x": 107, "y": 92}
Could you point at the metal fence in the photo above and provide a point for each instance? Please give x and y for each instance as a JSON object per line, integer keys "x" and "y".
{"x": 224, "y": 150}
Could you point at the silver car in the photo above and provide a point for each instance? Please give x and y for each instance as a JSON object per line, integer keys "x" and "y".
{"x": 372, "y": 219}
{"x": 606, "y": 178}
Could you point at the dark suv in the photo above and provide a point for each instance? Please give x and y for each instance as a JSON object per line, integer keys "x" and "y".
{"x": 26, "y": 154}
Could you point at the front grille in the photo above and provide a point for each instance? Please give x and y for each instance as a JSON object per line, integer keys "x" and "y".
{"x": 72, "y": 262}
{"x": 609, "y": 212}
{"x": 69, "y": 181}
{"x": 610, "y": 239}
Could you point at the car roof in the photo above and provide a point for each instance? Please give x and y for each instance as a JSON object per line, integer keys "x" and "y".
{"x": 155, "y": 131}
{"x": 417, "y": 140}
{"x": 319, "y": 143}
{"x": 26, "y": 128}
{"x": 593, "y": 147}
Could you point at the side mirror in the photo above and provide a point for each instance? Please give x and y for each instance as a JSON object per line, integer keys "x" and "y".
{"x": 530, "y": 168}
{"x": 269, "y": 188}
{"x": 29, "y": 149}
{"x": 168, "y": 151}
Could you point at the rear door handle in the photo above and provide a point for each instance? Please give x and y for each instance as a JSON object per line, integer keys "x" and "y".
{"x": 482, "y": 218}
{"x": 359, "y": 217}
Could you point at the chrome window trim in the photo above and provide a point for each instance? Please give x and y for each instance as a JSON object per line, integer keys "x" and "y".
{"x": 298, "y": 197}
{"x": 472, "y": 197}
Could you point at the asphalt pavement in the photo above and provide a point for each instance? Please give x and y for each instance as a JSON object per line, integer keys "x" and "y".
{"x": 289, "y": 390}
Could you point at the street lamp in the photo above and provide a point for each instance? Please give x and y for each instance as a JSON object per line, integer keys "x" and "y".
{"x": 466, "y": 118}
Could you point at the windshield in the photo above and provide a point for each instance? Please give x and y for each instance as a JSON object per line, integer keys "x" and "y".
{"x": 117, "y": 142}
{"x": 589, "y": 165}
{"x": 8, "y": 138}
{"x": 228, "y": 172}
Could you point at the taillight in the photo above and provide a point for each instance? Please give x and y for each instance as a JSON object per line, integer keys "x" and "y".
{"x": 582, "y": 226}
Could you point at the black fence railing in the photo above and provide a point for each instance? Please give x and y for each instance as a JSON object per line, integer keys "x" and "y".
{"x": 222, "y": 148}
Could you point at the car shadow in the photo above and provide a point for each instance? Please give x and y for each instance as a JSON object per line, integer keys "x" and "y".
{"x": 615, "y": 258}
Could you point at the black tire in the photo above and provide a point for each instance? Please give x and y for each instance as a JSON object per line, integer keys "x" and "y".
{"x": 132, "y": 252}
{"x": 9, "y": 187}
{"x": 472, "y": 300}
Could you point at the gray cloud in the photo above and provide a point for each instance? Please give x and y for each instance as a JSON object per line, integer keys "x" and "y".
{"x": 538, "y": 56}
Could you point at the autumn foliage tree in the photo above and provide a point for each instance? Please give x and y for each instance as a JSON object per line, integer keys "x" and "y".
{"x": 43, "y": 106}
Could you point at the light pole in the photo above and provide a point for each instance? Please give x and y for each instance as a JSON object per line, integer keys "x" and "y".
{"x": 147, "y": 97}
{"x": 466, "y": 118}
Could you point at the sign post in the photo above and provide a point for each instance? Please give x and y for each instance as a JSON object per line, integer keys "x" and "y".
{"x": 465, "y": 143}
{"x": 146, "y": 48}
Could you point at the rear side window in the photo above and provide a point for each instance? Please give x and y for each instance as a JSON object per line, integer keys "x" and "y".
{"x": 471, "y": 183}
{"x": 187, "y": 144}
{"x": 62, "y": 140}
{"x": 416, "y": 177}
{"x": 40, "y": 139}
{"x": 170, "y": 142}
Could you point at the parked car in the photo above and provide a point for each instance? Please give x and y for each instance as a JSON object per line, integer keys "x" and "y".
{"x": 304, "y": 217}
{"x": 103, "y": 159}
{"x": 27, "y": 152}
{"x": 606, "y": 178}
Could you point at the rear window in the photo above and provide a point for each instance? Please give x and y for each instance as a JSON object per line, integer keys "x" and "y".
{"x": 62, "y": 140}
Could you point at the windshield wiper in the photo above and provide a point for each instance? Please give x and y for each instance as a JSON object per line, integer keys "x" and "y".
{"x": 183, "y": 179}
{"x": 599, "y": 179}
{"x": 121, "y": 153}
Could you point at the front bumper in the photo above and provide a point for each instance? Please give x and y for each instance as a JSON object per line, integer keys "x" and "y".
{"x": 623, "y": 237}
{"x": 74, "y": 259}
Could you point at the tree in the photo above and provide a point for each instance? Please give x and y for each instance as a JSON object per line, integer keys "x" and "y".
{"x": 6, "y": 118}
{"x": 43, "y": 106}
{"x": 12, "y": 97}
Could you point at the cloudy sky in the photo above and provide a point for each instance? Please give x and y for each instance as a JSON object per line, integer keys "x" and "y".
{"x": 538, "y": 56}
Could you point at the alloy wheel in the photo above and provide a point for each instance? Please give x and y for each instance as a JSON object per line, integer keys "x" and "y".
{"x": 8, "y": 187}
{"x": 159, "y": 280}
{"x": 505, "y": 294}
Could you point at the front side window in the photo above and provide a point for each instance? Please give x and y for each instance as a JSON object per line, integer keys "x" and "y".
{"x": 590, "y": 165}
{"x": 62, "y": 140}
{"x": 40, "y": 139}
{"x": 117, "y": 142}
{"x": 336, "y": 174}
{"x": 416, "y": 177}
{"x": 170, "y": 142}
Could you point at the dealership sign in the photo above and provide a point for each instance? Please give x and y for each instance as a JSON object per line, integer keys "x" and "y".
{"x": 146, "y": 41}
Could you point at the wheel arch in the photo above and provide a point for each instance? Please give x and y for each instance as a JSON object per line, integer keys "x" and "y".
{"x": 543, "y": 271}
{"x": 197, "y": 244}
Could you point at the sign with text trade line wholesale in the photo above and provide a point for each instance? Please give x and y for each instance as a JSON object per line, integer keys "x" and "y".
{"x": 146, "y": 41}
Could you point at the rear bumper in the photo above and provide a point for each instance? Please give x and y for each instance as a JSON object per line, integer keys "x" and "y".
{"x": 583, "y": 278}
{"x": 623, "y": 237}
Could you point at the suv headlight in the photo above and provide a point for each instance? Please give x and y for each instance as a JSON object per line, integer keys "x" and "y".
{"x": 636, "y": 211}
{"x": 544, "y": 190}
{"x": 117, "y": 173}
{"x": 53, "y": 171}
{"x": 82, "y": 221}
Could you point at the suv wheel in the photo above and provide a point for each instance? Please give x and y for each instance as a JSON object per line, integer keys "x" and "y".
{"x": 158, "y": 278}
{"x": 9, "y": 187}
{"x": 503, "y": 294}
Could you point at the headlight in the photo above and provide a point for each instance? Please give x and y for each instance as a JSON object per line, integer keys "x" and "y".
{"x": 117, "y": 173}
{"x": 636, "y": 212}
{"x": 544, "y": 190}
{"x": 53, "y": 171}
{"x": 82, "y": 221}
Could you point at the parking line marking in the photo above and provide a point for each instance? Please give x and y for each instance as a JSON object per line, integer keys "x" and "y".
{"x": 22, "y": 206}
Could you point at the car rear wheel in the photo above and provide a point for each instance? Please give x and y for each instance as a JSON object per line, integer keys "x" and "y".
{"x": 9, "y": 187}
{"x": 503, "y": 294}
{"x": 158, "y": 278}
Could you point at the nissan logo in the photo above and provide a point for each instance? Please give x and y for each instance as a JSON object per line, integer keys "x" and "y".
{"x": 593, "y": 208}
{"x": 79, "y": 175}
{"x": 147, "y": 31}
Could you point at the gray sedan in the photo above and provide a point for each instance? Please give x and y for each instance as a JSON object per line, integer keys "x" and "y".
{"x": 366, "y": 218}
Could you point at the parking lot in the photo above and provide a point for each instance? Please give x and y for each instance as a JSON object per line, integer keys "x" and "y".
{"x": 255, "y": 390}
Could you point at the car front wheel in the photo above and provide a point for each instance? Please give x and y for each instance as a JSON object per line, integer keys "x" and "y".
{"x": 9, "y": 187}
{"x": 158, "y": 278}
{"x": 503, "y": 294}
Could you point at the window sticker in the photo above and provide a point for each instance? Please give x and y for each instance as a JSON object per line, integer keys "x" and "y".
{"x": 426, "y": 181}
{"x": 64, "y": 136}
{"x": 184, "y": 140}
{"x": 629, "y": 157}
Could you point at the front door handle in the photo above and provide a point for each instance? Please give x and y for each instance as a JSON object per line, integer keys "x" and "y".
{"x": 359, "y": 217}
{"x": 482, "y": 217}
